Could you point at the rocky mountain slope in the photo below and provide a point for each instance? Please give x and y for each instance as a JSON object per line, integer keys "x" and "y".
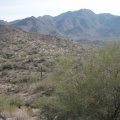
{"x": 81, "y": 24}
{"x": 22, "y": 53}
{"x": 23, "y": 58}
{"x": 2, "y": 22}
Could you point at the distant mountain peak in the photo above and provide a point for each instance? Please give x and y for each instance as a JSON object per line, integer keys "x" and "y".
{"x": 2, "y": 22}
{"x": 79, "y": 24}
{"x": 86, "y": 10}
{"x": 31, "y": 18}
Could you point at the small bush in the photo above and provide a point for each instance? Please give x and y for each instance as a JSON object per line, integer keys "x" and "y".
{"x": 48, "y": 106}
{"x": 6, "y": 66}
{"x": 9, "y": 103}
{"x": 28, "y": 79}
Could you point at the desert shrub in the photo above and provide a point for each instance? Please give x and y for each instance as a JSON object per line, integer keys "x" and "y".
{"x": 14, "y": 81}
{"x": 9, "y": 103}
{"x": 39, "y": 86}
{"x": 6, "y": 66}
{"x": 7, "y": 55}
{"x": 19, "y": 66}
{"x": 4, "y": 73}
{"x": 28, "y": 79}
{"x": 47, "y": 105}
{"x": 90, "y": 91}
{"x": 15, "y": 101}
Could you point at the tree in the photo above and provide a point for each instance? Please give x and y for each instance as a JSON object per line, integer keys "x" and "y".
{"x": 90, "y": 91}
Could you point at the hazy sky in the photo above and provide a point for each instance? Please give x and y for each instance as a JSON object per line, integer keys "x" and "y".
{"x": 18, "y": 9}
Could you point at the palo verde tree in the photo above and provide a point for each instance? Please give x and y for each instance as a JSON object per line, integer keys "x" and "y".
{"x": 89, "y": 89}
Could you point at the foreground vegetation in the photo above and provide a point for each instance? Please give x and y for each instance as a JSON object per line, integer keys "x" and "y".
{"x": 86, "y": 88}
{"x": 83, "y": 87}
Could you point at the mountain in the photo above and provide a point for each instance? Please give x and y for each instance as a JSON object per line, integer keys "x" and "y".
{"x": 2, "y": 22}
{"x": 42, "y": 25}
{"x": 77, "y": 24}
{"x": 81, "y": 24}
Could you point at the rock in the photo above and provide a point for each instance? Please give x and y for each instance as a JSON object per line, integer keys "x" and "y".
{"x": 11, "y": 118}
{"x": 56, "y": 117}
{"x": 8, "y": 88}
{"x": 36, "y": 112}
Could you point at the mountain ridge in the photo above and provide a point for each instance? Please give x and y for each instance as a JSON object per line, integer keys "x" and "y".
{"x": 81, "y": 24}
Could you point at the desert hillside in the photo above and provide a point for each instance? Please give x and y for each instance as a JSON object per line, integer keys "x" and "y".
{"x": 45, "y": 77}
{"x": 24, "y": 53}
{"x": 25, "y": 61}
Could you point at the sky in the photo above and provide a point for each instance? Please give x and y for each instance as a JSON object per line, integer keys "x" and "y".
{"x": 18, "y": 9}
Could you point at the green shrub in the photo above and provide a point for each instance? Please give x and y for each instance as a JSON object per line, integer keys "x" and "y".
{"x": 48, "y": 106}
{"x": 90, "y": 91}
{"x": 28, "y": 79}
{"x": 9, "y": 103}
